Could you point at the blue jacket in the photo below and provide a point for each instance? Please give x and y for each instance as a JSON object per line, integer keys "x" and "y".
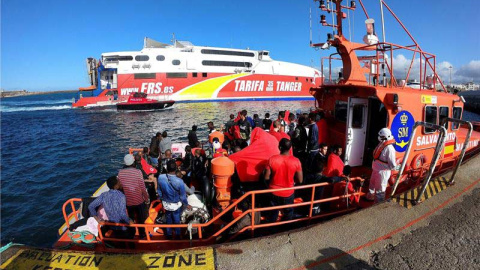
{"x": 312, "y": 137}
{"x": 172, "y": 191}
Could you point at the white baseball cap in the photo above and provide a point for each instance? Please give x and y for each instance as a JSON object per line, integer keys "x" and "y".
{"x": 129, "y": 159}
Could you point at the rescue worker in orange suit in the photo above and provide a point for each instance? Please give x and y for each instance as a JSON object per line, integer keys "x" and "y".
{"x": 384, "y": 162}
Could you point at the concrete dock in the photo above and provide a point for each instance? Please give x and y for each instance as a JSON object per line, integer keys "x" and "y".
{"x": 440, "y": 233}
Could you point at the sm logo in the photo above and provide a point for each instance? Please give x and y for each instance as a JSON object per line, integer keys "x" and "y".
{"x": 402, "y": 126}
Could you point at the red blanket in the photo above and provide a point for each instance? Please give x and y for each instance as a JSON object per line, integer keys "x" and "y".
{"x": 251, "y": 161}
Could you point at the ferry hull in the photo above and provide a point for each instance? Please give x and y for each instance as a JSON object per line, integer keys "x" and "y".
{"x": 215, "y": 87}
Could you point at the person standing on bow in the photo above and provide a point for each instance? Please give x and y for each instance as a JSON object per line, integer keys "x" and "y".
{"x": 384, "y": 162}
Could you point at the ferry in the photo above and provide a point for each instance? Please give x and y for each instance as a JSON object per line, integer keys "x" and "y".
{"x": 430, "y": 139}
{"x": 184, "y": 72}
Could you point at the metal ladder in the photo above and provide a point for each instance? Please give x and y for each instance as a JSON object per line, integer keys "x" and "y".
{"x": 436, "y": 155}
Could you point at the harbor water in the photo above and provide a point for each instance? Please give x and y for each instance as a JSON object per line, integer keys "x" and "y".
{"x": 51, "y": 152}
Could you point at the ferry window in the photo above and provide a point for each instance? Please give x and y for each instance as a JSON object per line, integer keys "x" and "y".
{"x": 194, "y": 74}
{"x": 118, "y": 58}
{"x": 204, "y": 75}
{"x": 223, "y": 52}
{"x": 142, "y": 58}
{"x": 357, "y": 116}
{"x": 430, "y": 117}
{"x": 177, "y": 75}
{"x": 144, "y": 76}
{"x": 176, "y": 62}
{"x": 457, "y": 114}
{"x": 296, "y": 78}
{"x": 226, "y": 63}
{"x": 160, "y": 58}
{"x": 442, "y": 114}
{"x": 341, "y": 111}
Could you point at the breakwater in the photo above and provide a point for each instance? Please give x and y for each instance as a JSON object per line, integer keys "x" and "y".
{"x": 472, "y": 100}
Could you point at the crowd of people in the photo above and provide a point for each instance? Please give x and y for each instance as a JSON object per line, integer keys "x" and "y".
{"x": 153, "y": 173}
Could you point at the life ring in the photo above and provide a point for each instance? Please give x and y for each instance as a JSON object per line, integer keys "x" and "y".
{"x": 394, "y": 175}
{"x": 418, "y": 161}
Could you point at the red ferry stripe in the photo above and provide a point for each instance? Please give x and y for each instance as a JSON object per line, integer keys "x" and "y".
{"x": 388, "y": 235}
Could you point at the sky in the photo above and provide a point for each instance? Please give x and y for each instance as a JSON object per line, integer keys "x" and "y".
{"x": 44, "y": 44}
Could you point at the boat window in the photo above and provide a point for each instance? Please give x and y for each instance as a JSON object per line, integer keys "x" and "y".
{"x": 118, "y": 58}
{"x": 204, "y": 75}
{"x": 226, "y": 63}
{"x": 194, "y": 74}
{"x": 142, "y": 58}
{"x": 144, "y": 76}
{"x": 442, "y": 114}
{"x": 341, "y": 111}
{"x": 357, "y": 116}
{"x": 430, "y": 117}
{"x": 176, "y": 62}
{"x": 223, "y": 52}
{"x": 457, "y": 114}
{"x": 160, "y": 58}
{"x": 177, "y": 75}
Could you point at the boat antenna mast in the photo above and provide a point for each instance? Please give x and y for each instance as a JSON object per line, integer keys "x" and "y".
{"x": 337, "y": 11}
{"x": 173, "y": 39}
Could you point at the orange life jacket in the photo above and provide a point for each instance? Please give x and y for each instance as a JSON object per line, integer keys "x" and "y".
{"x": 378, "y": 150}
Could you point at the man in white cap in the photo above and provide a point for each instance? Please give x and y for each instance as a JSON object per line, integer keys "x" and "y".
{"x": 135, "y": 191}
{"x": 370, "y": 38}
{"x": 383, "y": 162}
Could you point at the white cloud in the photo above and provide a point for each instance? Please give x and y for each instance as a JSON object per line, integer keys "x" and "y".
{"x": 401, "y": 64}
{"x": 468, "y": 72}
{"x": 465, "y": 73}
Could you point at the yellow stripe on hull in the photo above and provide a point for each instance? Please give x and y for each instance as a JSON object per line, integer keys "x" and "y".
{"x": 206, "y": 89}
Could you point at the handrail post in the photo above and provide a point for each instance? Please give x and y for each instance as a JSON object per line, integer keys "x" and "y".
{"x": 405, "y": 157}
{"x": 443, "y": 132}
{"x": 436, "y": 156}
{"x": 253, "y": 215}
{"x": 312, "y": 198}
{"x": 465, "y": 144}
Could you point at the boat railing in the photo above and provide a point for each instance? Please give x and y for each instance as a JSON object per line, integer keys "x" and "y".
{"x": 465, "y": 143}
{"x": 381, "y": 66}
{"x": 439, "y": 146}
{"x": 207, "y": 233}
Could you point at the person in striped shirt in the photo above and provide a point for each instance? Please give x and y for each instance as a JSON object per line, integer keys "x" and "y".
{"x": 135, "y": 191}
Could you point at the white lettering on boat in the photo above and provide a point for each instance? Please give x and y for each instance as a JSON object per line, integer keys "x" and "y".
{"x": 289, "y": 86}
{"x": 249, "y": 86}
{"x": 433, "y": 138}
{"x": 471, "y": 144}
{"x": 149, "y": 88}
{"x": 127, "y": 91}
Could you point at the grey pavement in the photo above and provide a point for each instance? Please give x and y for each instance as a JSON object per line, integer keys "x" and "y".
{"x": 386, "y": 236}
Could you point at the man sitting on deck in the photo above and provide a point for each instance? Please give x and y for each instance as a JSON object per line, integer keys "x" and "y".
{"x": 282, "y": 171}
{"x": 335, "y": 164}
{"x": 115, "y": 204}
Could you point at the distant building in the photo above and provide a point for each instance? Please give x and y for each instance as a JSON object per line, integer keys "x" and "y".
{"x": 471, "y": 86}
